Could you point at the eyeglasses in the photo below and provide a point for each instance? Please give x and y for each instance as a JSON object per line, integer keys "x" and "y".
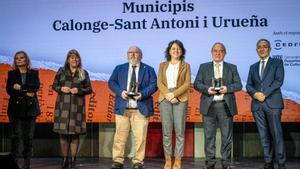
{"x": 133, "y": 52}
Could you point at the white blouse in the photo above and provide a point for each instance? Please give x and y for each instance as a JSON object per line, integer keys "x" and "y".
{"x": 171, "y": 74}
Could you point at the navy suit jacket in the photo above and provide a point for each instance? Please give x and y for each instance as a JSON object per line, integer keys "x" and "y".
{"x": 146, "y": 86}
{"x": 270, "y": 84}
{"x": 231, "y": 80}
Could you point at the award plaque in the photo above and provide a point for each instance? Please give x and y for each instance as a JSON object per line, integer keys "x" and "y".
{"x": 133, "y": 89}
{"x": 216, "y": 84}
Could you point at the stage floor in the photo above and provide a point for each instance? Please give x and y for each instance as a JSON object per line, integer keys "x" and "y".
{"x": 150, "y": 163}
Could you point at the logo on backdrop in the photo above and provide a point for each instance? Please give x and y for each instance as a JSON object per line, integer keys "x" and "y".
{"x": 280, "y": 44}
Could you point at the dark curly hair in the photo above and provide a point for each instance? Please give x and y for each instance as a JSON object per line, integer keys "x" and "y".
{"x": 180, "y": 44}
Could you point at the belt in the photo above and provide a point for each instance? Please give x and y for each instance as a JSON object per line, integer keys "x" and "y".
{"x": 218, "y": 101}
{"x": 129, "y": 108}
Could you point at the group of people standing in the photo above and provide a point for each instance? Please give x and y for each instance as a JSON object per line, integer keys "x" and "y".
{"x": 133, "y": 83}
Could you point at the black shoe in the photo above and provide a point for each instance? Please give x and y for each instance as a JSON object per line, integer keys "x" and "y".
{"x": 25, "y": 167}
{"x": 209, "y": 167}
{"x": 268, "y": 166}
{"x": 26, "y": 164}
{"x": 281, "y": 166}
{"x": 138, "y": 166}
{"x": 73, "y": 163}
{"x": 117, "y": 165}
{"x": 226, "y": 167}
{"x": 65, "y": 163}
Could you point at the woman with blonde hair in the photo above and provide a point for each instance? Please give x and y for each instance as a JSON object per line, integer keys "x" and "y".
{"x": 23, "y": 107}
{"x": 72, "y": 84}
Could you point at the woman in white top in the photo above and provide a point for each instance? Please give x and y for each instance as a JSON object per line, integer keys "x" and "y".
{"x": 174, "y": 78}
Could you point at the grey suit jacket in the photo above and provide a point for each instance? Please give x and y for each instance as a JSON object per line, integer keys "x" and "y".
{"x": 231, "y": 80}
{"x": 269, "y": 84}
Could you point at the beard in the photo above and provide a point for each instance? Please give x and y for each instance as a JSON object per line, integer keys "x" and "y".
{"x": 133, "y": 61}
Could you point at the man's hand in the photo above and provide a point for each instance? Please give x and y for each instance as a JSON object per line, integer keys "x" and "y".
{"x": 169, "y": 96}
{"x": 65, "y": 89}
{"x": 138, "y": 96}
{"x": 259, "y": 96}
{"x": 211, "y": 91}
{"x": 223, "y": 90}
{"x": 124, "y": 95}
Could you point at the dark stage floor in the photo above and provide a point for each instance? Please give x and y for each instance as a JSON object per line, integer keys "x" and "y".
{"x": 150, "y": 163}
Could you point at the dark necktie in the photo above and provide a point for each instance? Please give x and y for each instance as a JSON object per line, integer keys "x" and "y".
{"x": 262, "y": 69}
{"x": 133, "y": 76}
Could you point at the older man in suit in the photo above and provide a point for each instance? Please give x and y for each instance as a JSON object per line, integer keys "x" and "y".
{"x": 133, "y": 83}
{"x": 217, "y": 103}
{"x": 263, "y": 85}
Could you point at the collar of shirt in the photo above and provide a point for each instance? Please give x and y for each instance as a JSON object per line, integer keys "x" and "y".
{"x": 137, "y": 65}
{"x": 220, "y": 63}
{"x": 266, "y": 60}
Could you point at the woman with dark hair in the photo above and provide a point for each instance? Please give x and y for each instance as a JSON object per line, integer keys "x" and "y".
{"x": 23, "y": 108}
{"x": 72, "y": 84}
{"x": 174, "y": 78}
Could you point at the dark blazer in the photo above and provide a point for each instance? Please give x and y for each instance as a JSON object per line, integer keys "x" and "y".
{"x": 231, "y": 80}
{"x": 18, "y": 98}
{"x": 146, "y": 85}
{"x": 269, "y": 84}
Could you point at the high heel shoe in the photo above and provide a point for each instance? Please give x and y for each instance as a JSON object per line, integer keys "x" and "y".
{"x": 65, "y": 163}
{"x": 73, "y": 163}
{"x": 26, "y": 164}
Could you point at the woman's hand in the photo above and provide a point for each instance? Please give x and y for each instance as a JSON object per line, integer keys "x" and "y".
{"x": 174, "y": 101}
{"x": 17, "y": 86}
{"x": 169, "y": 96}
{"x": 30, "y": 94}
{"x": 65, "y": 89}
{"x": 74, "y": 90}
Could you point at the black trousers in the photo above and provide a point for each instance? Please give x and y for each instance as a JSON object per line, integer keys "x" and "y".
{"x": 22, "y": 128}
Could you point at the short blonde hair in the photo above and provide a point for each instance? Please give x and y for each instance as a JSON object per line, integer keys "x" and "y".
{"x": 28, "y": 63}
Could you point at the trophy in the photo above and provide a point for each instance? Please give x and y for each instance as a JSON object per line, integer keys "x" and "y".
{"x": 216, "y": 84}
{"x": 133, "y": 89}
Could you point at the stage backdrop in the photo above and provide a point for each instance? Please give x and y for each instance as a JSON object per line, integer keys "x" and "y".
{"x": 102, "y": 31}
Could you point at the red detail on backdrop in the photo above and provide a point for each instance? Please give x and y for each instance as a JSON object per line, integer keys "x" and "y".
{"x": 100, "y": 104}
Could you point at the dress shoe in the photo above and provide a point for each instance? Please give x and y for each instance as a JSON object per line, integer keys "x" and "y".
{"x": 268, "y": 166}
{"x": 209, "y": 167}
{"x": 138, "y": 166}
{"x": 281, "y": 166}
{"x": 226, "y": 167}
{"x": 117, "y": 165}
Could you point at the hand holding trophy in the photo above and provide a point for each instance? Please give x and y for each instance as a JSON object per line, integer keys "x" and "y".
{"x": 133, "y": 89}
{"x": 216, "y": 84}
